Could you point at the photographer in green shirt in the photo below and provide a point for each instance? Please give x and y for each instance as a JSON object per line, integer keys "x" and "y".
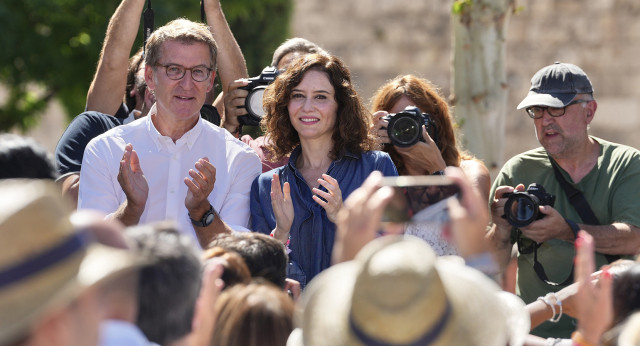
{"x": 561, "y": 105}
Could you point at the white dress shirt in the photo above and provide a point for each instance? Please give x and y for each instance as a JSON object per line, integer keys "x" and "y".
{"x": 165, "y": 164}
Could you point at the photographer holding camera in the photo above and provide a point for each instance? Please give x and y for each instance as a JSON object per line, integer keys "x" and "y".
{"x": 243, "y": 101}
{"x": 601, "y": 177}
{"x": 424, "y": 150}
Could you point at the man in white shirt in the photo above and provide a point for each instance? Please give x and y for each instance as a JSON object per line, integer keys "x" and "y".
{"x": 175, "y": 165}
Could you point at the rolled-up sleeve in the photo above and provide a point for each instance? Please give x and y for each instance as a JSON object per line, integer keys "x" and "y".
{"x": 98, "y": 175}
{"x": 235, "y": 209}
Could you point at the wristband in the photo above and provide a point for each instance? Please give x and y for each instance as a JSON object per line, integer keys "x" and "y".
{"x": 555, "y": 319}
{"x": 553, "y": 309}
{"x": 286, "y": 244}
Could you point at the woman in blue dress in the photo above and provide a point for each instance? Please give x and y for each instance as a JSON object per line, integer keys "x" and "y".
{"x": 315, "y": 117}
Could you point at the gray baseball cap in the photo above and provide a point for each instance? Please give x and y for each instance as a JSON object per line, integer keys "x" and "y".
{"x": 556, "y": 85}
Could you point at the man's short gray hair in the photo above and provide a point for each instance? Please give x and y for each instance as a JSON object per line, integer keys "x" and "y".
{"x": 183, "y": 31}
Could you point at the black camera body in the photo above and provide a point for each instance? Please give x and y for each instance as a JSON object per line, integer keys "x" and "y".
{"x": 405, "y": 128}
{"x": 253, "y": 102}
{"x": 522, "y": 207}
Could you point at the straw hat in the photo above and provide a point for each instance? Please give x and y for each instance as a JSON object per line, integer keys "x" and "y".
{"x": 396, "y": 292}
{"x": 44, "y": 261}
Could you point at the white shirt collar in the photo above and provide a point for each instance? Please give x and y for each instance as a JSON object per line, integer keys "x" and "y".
{"x": 161, "y": 141}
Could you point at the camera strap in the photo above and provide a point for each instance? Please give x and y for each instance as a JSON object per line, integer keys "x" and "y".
{"x": 576, "y": 198}
{"x": 147, "y": 25}
{"x": 580, "y": 204}
{"x": 203, "y": 15}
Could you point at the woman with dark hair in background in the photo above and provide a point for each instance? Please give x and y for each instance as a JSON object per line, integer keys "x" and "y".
{"x": 430, "y": 155}
{"x": 315, "y": 117}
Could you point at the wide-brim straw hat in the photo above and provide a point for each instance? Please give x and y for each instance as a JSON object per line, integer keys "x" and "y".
{"x": 44, "y": 261}
{"x": 396, "y": 292}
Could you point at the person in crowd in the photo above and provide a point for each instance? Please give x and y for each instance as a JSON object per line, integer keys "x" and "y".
{"x": 234, "y": 99}
{"x": 258, "y": 314}
{"x": 118, "y": 296}
{"x": 429, "y": 155}
{"x": 235, "y": 271}
{"x": 169, "y": 287}
{"x": 23, "y": 157}
{"x": 264, "y": 256}
{"x": 117, "y": 75}
{"x": 605, "y": 174}
{"x": 146, "y": 182}
{"x": 398, "y": 292}
{"x": 393, "y": 290}
{"x": 50, "y": 270}
{"x": 315, "y": 116}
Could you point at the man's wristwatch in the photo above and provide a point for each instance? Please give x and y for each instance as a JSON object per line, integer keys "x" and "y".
{"x": 207, "y": 218}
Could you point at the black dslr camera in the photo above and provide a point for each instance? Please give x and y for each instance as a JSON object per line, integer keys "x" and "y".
{"x": 253, "y": 102}
{"x": 405, "y": 128}
{"x": 522, "y": 207}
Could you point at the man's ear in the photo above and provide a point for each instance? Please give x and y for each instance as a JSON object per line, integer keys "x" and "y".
{"x": 148, "y": 77}
{"x": 212, "y": 80}
{"x": 591, "y": 110}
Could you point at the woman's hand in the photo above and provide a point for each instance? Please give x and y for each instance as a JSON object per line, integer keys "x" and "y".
{"x": 469, "y": 217}
{"x": 282, "y": 208}
{"x": 379, "y": 127}
{"x": 422, "y": 158}
{"x": 595, "y": 312}
{"x": 359, "y": 220}
{"x": 332, "y": 202}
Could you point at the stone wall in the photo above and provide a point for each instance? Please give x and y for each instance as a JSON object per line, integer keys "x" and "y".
{"x": 380, "y": 39}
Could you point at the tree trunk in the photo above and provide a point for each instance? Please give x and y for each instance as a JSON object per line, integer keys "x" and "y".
{"x": 479, "y": 87}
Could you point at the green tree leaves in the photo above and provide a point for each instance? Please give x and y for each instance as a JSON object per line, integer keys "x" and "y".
{"x": 50, "y": 48}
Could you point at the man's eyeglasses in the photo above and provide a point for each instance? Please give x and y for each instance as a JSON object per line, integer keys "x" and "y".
{"x": 536, "y": 112}
{"x": 198, "y": 73}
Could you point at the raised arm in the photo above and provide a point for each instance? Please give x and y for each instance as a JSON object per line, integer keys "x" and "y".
{"x": 230, "y": 61}
{"x": 108, "y": 86}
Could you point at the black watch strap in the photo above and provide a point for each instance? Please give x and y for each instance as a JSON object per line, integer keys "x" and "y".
{"x": 207, "y": 218}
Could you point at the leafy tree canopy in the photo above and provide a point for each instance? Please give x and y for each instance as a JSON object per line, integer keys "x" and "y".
{"x": 50, "y": 48}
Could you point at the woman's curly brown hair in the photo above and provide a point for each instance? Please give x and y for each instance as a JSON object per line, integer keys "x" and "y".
{"x": 426, "y": 96}
{"x": 351, "y": 130}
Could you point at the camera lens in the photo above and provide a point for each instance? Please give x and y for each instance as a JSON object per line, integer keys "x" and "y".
{"x": 404, "y": 131}
{"x": 521, "y": 210}
{"x": 253, "y": 102}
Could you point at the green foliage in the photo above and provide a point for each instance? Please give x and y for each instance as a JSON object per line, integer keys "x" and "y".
{"x": 461, "y": 6}
{"x": 259, "y": 27}
{"x": 50, "y": 47}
